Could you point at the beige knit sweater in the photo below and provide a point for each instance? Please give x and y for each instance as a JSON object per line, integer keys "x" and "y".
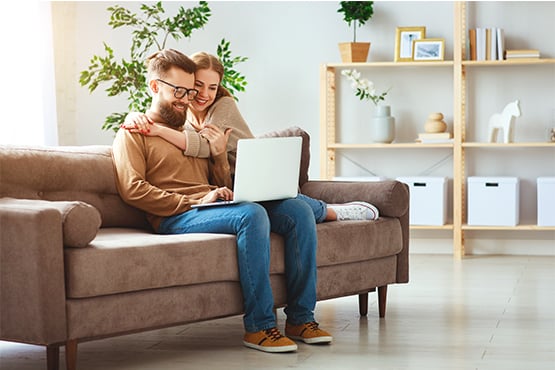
{"x": 222, "y": 114}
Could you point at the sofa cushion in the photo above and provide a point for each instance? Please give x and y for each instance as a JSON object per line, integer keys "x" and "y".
{"x": 127, "y": 260}
{"x": 80, "y": 221}
{"x": 67, "y": 173}
{"x": 305, "y": 150}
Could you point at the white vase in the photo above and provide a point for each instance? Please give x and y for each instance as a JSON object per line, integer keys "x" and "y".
{"x": 383, "y": 125}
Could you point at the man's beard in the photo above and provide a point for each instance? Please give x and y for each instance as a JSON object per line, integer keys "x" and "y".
{"x": 172, "y": 117}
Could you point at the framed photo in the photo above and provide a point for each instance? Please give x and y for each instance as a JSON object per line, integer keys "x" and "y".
{"x": 403, "y": 41}
{"x": 428, "y": 49}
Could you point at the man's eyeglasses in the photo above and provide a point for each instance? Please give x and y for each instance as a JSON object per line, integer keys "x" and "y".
{"x": 179, "y": 92}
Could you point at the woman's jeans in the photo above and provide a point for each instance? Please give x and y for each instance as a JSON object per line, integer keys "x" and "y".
{"x": 252, "y": 223}
{"x": 319, "y": 207}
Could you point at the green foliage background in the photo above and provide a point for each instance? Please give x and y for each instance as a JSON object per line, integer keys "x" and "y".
{"x": 150, "y": 33}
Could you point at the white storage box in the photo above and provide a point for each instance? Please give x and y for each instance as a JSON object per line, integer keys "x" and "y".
{"x": 428, "y": 200}
{"x": 493, "y": 201}
{"x": 546, "y": 201}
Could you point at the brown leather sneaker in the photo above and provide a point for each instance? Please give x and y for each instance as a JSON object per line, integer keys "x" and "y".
{"x": 269, "y": 340}
{"x": 309, "y": 333}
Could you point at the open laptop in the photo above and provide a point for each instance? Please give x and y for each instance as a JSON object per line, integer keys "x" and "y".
{"x": 265, "y": 169}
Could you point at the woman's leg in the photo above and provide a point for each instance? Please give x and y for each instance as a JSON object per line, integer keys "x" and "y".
{"x": 342, "y": 212}
{"x": 319, "y": 207}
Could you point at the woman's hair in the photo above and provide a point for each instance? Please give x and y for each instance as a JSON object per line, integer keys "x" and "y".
{"x": 207, "y": 61}
{"x": 162, "y": 61}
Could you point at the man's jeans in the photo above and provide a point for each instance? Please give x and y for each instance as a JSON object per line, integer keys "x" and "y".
{"x": 251, "y": 223}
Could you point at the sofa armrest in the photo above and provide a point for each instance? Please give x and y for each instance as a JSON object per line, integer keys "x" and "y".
{"x": 391, "y": 197}
{"x": 32, "y": 288}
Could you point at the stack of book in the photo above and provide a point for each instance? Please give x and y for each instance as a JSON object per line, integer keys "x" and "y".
{"x": 523, "y": 53}
{"x": 434, "y": 137}
{"x": 486, "y": 43}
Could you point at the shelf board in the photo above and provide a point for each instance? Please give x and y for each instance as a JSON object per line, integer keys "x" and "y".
{"x": 508, "y": 145}
{"x": 442, "y": 63}
{"x": 388, "y": 146}
{"x": 432, "y": 227}
{"x": 517, "y": 227}
{"x": 511, "y": 62}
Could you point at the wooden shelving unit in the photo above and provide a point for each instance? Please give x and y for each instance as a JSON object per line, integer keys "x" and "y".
{"x": 458, "y": 147}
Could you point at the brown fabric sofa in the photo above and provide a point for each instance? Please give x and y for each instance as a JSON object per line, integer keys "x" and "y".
{"x": 78, "y": 264}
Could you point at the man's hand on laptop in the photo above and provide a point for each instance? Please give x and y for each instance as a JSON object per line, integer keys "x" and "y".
{"x": 223, "y": 193}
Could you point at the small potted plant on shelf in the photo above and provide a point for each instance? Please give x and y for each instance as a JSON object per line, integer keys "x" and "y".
{"x": 355, "y": 13}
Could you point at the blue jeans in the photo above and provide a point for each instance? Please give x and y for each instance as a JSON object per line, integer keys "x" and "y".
{"x": 319, "y": 207}
{"x": 252, "y": 223}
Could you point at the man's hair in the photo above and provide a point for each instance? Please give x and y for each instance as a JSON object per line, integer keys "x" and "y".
{"x": 162, "y": 61}
{"x": 208, "y": 61}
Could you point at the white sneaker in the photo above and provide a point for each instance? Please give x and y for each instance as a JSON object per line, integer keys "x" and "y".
{"x": 355, "y": 211}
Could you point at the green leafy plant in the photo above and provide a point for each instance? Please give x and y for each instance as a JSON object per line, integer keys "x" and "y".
{"x": 233, "y": 81}
{"x": 150, "y": 33}
{"x": 356, "y": 11}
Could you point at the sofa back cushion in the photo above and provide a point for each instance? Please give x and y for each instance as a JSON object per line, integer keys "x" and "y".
{"x": 83, "y": 173}
{"x": 305, "y": 149}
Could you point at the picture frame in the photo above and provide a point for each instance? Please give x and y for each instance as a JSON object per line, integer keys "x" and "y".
{"x": 404, "y": 38}
{"x": 428, "y": 50}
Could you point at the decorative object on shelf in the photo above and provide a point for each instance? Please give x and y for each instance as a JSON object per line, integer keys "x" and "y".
{"x": 504, "y": 121}
{"x": 522, "y": 54}
{"x": 428, "y": 50}
{"x": 435, "y": 123}
{"x": 383, "y": 125}
{"x": 364, "y": 89}
{"x": 357, "y": 13}
{"x": 486, "y": 43}
{"x": 552, "y": 135}
{"x": 435, "y": 130}
{"x": 404, "y": 38}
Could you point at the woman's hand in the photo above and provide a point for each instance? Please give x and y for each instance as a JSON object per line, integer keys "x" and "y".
{"x": 217, "y": 194}
{"x": 138, "y": 123}
{"x": 216, "y": 138}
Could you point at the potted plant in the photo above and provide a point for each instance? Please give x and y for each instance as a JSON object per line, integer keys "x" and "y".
{"x": 355, "y": 13}
{"x": 151, "y": 31}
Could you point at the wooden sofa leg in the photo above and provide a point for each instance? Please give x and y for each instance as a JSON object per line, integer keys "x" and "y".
{"x": 53, "y": 357}
{"x": 363, "y": 304}
{"x": 71, "y": 354}
{"x": 382, "y": 300}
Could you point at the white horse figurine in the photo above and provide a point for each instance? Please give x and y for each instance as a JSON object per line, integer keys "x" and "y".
{"x": 505, "y": 121}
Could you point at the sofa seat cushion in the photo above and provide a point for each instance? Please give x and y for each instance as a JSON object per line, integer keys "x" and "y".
{"x": 124, "y": 260}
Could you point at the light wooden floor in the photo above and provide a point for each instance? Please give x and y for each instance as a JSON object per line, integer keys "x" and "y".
{"x": 485, "y": 312}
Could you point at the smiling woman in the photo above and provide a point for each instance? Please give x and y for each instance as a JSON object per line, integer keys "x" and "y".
{"x": 29, "y": 116}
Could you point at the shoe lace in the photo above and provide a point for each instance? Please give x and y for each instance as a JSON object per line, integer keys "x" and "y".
{"x": 312, "y": 325}
{"x": 273, "y": 334}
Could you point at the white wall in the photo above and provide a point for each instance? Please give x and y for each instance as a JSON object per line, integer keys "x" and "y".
{"x": 287, "y": 42}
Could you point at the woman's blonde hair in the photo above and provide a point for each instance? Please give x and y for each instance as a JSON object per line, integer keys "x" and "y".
{"x": 208, "y": 61}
